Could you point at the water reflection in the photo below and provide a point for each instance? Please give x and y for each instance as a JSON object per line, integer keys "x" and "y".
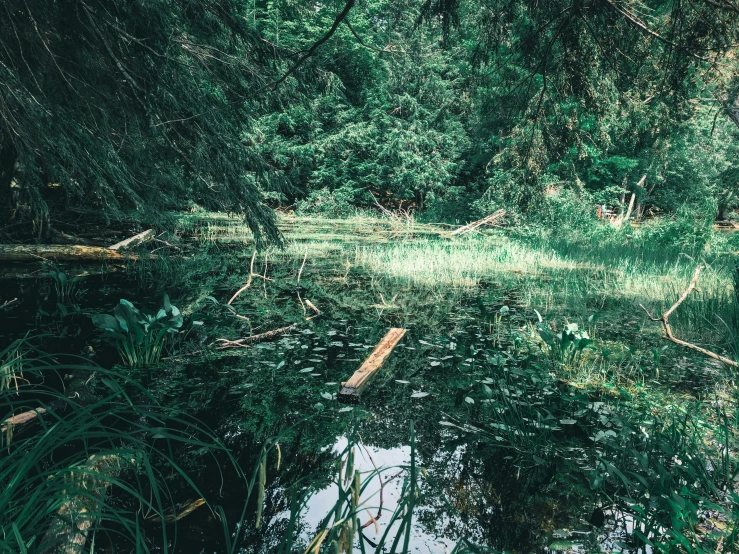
{"x": 379, "y": 500}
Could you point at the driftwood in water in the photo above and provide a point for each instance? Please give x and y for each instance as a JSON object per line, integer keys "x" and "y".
{"x": 57, "y": 252}
{"x": 21, "y": 419}
{"x": 491, "y": 219}
{"x": 241, "y": 343}
{"x": 133, "y": 241}
{"x": 353, "y": 387}
{"x": 73, "y": 521}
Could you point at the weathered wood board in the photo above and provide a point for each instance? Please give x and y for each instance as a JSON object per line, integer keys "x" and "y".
{"x": 21, "y": 419}
{"x": 353, "y": 387}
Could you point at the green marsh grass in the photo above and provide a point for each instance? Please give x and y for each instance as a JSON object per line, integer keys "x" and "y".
{"x": 44, "y": 464}
{"x": 11, "y": 365}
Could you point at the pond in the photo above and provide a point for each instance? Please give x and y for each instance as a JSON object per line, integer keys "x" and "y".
{"x": 466, "y": 438}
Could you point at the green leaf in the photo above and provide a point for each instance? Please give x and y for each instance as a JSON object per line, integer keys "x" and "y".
{"x": 105, "y": 322}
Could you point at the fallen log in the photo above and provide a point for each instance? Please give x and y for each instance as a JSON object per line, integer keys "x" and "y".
{"x": 133, "y": 241}
{"x": 58, "y": 253}
{"x": 491, "y": 219}
{"x": 68, "y": 531}
{"x": 351, "y": 389}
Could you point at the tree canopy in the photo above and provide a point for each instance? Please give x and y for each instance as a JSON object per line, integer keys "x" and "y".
{"x": 118, "y": 110}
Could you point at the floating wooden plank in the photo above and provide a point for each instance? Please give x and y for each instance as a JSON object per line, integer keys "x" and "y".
{"x": 353, "y": 387}
{"x": 133, "y": 241}
{"x": 56, "y": 252}
{"x": 20, "y": 419}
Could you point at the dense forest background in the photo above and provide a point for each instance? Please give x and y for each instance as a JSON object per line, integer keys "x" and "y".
{"x": 125, "y": 110}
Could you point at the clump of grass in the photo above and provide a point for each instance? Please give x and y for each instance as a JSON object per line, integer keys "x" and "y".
{"x": 61, "y": 463}
{"x": 11, "y": 365}
{"x": 459, "y": 264}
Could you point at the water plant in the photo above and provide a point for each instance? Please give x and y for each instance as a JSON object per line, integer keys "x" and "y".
{"x": 139, "y": 337}
{"x": 566, "y": 347}
{"x": 65, "y": 287}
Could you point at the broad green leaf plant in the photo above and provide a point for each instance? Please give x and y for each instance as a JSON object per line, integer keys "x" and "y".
{"x": 139, "y": 337}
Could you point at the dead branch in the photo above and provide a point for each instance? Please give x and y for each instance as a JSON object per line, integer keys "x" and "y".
{"x": 491, "y": 219}
{"x": 241, "y": 343}
{"x": 312, "y": 307}
{"x": 664, "y": 320}
{"x": 300, "y": 272}
{"x": 251, "y": 277}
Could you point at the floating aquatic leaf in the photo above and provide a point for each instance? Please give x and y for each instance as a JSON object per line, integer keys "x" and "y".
{"x": 346, "y": 409}
{"x": 469, "y": 400}
{"x": 434, "y": 364}
{"x": 566, "y": 546}
{"x": 568, "y": 421}
{"x": 327, "y": 395}
{"x": 331, "y": 383}
{"x": 306, "y": 370}
{"x": 402, "y": 381}
{"x": 419, "y": 394}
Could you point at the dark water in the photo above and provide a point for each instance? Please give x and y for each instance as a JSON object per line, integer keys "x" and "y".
{"x": 499, "y": 468}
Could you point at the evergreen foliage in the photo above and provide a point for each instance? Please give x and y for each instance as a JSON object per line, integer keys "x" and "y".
{"x": 128, "y": 110}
